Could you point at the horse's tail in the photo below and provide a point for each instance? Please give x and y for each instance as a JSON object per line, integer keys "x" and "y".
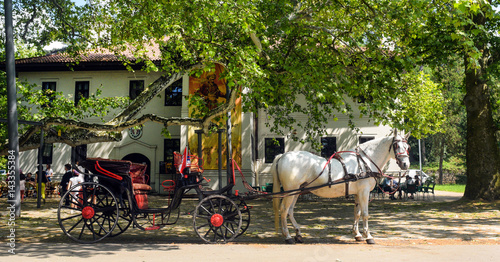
{"x": 276, "y": 189}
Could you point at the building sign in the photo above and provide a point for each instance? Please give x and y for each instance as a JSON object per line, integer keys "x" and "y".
{"x": 135, "y": 132}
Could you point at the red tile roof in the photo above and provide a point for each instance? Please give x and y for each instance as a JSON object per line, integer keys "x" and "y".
{"x": 98, "y": 55}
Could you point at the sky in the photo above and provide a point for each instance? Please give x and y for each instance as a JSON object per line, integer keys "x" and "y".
{"x": 79, "y": 2}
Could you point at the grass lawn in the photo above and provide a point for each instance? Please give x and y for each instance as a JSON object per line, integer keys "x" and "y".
{"x": 451, "y": 188}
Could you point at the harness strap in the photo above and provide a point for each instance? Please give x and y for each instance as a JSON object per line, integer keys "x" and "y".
{"x": 303, "y": 185}
{"x": 330, "y": 174}
{"x": 381, "y": 174}
{"x": 346, "y": 175}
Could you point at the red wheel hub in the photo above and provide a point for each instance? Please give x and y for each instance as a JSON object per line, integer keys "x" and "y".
{"x": 88, "y": 212}
{"x": 217, "y": 220}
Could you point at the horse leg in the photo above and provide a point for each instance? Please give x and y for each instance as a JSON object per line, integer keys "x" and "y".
{"x": 285, "y": 207}
{"x": 298, "y": 235}
{"x": 363, "y": 202}
{"x": 357, "y": 215}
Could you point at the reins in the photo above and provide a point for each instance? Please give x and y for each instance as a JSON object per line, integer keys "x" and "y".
{"x": 304, "y": 187}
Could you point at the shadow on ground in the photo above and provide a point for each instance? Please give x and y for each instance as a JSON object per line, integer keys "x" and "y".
{"x": 323, "y": 221}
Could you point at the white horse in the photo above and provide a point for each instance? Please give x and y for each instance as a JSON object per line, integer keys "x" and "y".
{"x": 296, "y": 169}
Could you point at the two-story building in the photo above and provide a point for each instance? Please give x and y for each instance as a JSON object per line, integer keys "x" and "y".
{"x": 254, "y": 144}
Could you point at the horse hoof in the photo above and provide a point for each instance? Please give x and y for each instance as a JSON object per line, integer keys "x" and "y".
{"x": 290, "y": 241}
{"x": 370, "y": 241}
{"x": 298, "y": 239}
{"x": 358, "y": 239}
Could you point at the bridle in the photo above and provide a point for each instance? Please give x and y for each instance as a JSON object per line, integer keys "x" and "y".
{"x": 403, "y": 153}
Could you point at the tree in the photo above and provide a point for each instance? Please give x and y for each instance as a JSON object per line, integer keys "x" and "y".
{"x": 325, "y": 52}
{"x": 450, "y": 143}
{"x": 468, "y": 28}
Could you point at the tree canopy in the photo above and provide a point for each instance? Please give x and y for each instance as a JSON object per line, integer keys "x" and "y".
{"x": 326, "y": 53}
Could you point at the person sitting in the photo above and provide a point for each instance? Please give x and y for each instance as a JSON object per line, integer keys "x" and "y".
{"x": 417, "y": 181}
{"x": 411, "y": 187}
{"x": 390, "y": 186}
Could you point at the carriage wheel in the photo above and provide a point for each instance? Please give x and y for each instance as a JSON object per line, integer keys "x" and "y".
{"x": 245, "y": 217}
{"x": 124, "y": 220}
{"x": 88, "y": 212}
{"x": 217, "y": 219}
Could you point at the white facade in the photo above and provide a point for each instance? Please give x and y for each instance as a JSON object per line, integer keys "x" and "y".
{"x": 151, "y": 143}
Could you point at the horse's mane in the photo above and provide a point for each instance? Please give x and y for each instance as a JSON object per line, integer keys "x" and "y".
{"x": 372, "y": 143}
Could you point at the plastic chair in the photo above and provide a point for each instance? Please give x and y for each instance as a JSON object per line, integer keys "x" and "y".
{"x": 410, "y": 189}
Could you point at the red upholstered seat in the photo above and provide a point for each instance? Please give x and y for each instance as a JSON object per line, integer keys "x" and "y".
{"x": 143, "y": 187}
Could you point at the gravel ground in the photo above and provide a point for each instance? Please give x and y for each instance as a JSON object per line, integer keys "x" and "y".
{"x": 447, "y": 220}
{"x": 443, "y": 230}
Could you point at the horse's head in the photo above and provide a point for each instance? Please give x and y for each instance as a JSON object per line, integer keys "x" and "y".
{"x": 401, "y": 150}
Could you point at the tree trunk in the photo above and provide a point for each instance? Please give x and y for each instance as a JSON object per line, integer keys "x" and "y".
{"x": 482, "y": 156}
{"x": 482, "y": 153}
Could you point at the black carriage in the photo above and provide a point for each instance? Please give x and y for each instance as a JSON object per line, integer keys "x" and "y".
{"x": 114, "y": 197}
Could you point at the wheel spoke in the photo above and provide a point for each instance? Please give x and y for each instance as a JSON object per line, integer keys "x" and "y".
{"x": 206, "y": 210}
{"x": 203, "y": 225}
{"x": 71, "y": 217}
{"x": 83, "y": 229}
{"x": 75, "y": 225}
{"x": 231, "y": 231}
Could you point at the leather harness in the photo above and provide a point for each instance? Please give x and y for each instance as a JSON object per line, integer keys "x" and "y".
{"x": 347, "y": 176}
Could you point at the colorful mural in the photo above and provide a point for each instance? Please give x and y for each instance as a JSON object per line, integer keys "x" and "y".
{"x": 213, "y": 90}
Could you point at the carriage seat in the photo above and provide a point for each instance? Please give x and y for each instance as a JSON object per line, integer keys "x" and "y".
{"x": 140, "y": 187}
{"x": 139, "y": 180}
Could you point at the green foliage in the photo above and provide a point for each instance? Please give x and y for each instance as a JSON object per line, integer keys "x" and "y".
{"x": 422, "y": 105}
{"x": 324, "y": 53}
{"x": 3, "y": 164}
{"x": 453, "y": 164}
{"x": 327, "y": 54}
{"x": 36, "y": 105}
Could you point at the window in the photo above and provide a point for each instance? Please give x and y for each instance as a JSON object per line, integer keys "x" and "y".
{"x": 47, "y": 154}
{"x": 173, "y": 94}
{"x": 78, "y": 154}
{"x": 363, "y": 98}
{"x": 51, "y": 95}
{"x": 135, "y": 88}
{"x": 329, "y": 146}
{"x": 81, "y": 90}
{"x": 363, "y": 139}
{"x": 273, "y": 147}
{"x": 170, "y": 145}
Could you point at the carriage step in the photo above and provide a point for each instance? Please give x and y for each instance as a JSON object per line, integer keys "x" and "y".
{"x": 152, "y": 228}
